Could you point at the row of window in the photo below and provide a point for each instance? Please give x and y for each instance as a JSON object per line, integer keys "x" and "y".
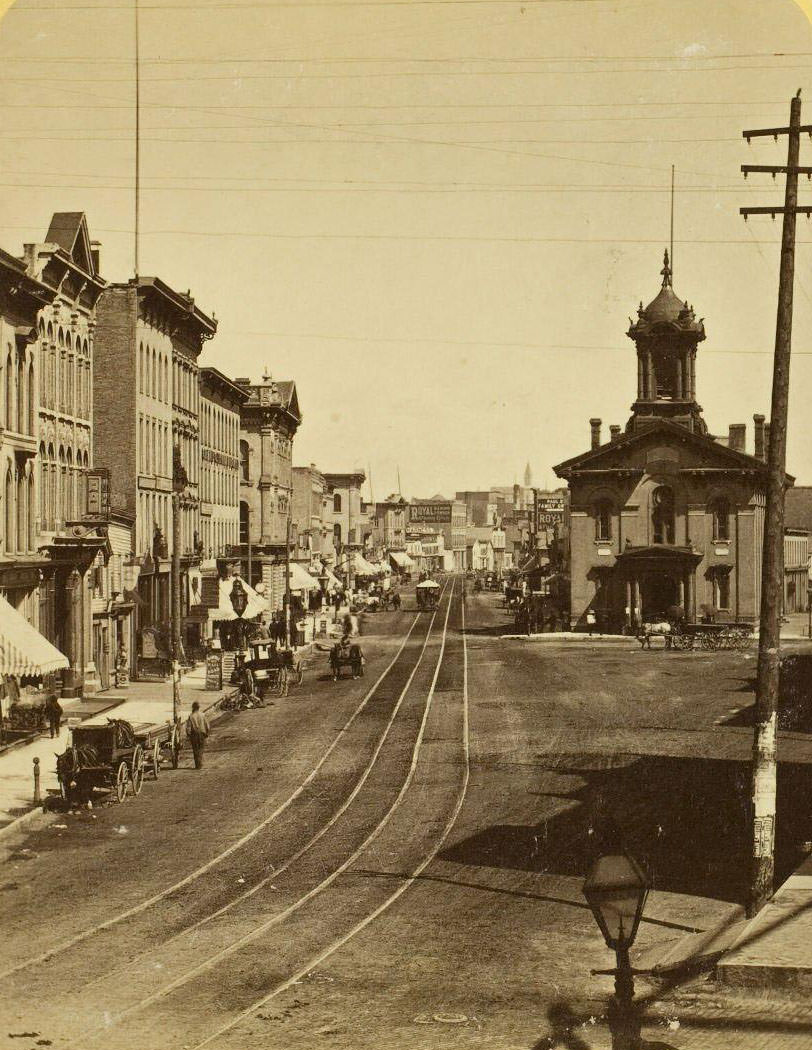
{"x": 65, "y": 382}
{"x": 63, "y": 486}
{"x": 155, "y": 512}
{"x": 219, "y": 429}
{"x": 153, "y": 373}
{"x": 662, "y": 517}
{"x": 20, "y": 512}
{"x": 216, "y": 535}
{"x": 219, "y": 484}
{"x": 185, "y": 390}
{"x": 189, "y": 456}
{"x": 154, "y": 447}
{"x": 18, "y": 388}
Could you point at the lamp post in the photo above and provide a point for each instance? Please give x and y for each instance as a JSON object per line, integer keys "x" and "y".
{"x": 616, "y": 891}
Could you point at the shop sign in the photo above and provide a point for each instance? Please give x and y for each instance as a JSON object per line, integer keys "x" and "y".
{"x": 239, "y": 598}
{"x": 549, "y": 511}
{"x": 431, "y": 513}
{"x": 98, "y": 494}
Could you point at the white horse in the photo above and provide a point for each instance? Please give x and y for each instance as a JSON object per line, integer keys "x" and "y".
{"x": 655, "y": 630}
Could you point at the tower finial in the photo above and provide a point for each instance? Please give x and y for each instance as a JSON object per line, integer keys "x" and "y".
{"x": 666, "y": 270}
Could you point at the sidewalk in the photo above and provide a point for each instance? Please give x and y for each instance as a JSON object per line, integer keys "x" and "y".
{"x": 138, "y": 702}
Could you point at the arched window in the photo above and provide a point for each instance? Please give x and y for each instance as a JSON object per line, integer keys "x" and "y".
{"x": 244, "y": 522}
{"x": 52, "y": 481}
{"x": 32, "y": 512}
{"x": 69, "y": 495}
{"x": 244, "y": 460}
{"x": 11, "y": 516}
{"x": 662, "y": 514}
{"x": 10, "y": 375}
{"x": 603, "y": 519}
{"x": 43, "y": 489}
{"x": 720, "y": 509}
{"x": 337, "y": 502}
{"x": 32, "y": 415}
{"x": 140, "y": 368}
{"x": 22, "y": 511}
{"x": 63, "y": 486}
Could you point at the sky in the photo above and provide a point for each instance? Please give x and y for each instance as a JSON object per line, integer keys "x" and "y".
{"x": 436, "y": 216}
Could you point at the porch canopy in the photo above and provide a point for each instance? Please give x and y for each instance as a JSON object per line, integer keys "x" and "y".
{"x": 362, "y": 567}
{"x": 24, "y": 652}
{"x": 401, "y": 559}
{"x": 300, "y": 579}
{"x": 658, "y": 576}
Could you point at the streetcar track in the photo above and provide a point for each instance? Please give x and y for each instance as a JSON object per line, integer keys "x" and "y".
{"x": 279, "y": 917}
{"x": 193, "y": 876}
{"x": 406, "y": 884}
{"x": 245, "y": 895}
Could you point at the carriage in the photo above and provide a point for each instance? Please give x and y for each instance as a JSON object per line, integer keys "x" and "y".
{"x": 266, "y": 668}
{"x": 115, "y": 757}
{"x": 427, "y": 594}
{"x": 708, "y": 637}
{"x": 346, "y": 654}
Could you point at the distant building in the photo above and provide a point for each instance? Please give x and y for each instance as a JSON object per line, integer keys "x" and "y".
{"x": 662, "y": 514}
{"x": 221, "y": 401}
{"x": 312, "y": 517}
{"x": 348, "y": 519}
{"x": 450, "y": 518}
{"x": 389, "y": 520}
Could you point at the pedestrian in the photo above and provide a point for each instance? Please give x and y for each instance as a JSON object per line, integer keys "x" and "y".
{"x": 197, "y": 729}
{"x": 590, "y": 621}
{"x": 53, "y": 709}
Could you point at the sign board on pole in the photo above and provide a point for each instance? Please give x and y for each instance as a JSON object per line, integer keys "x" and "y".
{"x": 549, "y": 512}
{"x": 98, "y": 494}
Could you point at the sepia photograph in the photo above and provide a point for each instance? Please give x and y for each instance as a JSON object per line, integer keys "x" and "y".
{"x": 405, "y": 513}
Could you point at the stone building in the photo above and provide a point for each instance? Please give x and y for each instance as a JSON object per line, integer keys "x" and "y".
{"x": 347, "y": 517}
{"x": 388, "y": 522}
{"x": 67, "y": 262}
{"x": 147, "y": 402}
{"x": 663, "y": 514}
{"x": 269, "y": 419}
{"x": 311, "y": 517}
{"x": 220, "y": 403}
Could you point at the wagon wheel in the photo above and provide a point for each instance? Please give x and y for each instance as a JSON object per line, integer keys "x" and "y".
{"x": 175, "y": 744}
{"x": 155, "y": 761}
{"x": 708, "y": 642}
{"x": 298, "y": 673}
{"x": 249, "y": 682}
{"x": 137, "y": 770}
{"x": 282, "y": 682}
{"x": 122, "y": 779}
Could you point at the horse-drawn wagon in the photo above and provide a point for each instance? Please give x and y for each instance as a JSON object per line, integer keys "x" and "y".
{"x": 428, "y": 594}
{"x": 115, "y": 757}
{"x": 346, "y": 654}
{"x": 708, "y": 637}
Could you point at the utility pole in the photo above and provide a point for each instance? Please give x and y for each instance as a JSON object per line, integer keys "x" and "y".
{"x": 137, "y": 138}
{"x": 179, "y": 484}
{"x": 765, "y": 761}
{"x": 288, "y": 632}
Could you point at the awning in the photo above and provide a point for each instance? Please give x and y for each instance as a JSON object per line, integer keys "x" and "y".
{"x": 333, "y": 582}
{"x": 364, "y": 568}
{"x": 401, "y": 559}
{"x": 255, "y": 604}
{"x": 23, "y": 650}
{"x": 300, "y": 578}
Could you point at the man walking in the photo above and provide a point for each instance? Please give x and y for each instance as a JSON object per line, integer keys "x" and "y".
{"x": 53, "y": 711}
{"x": 197, "y": 729}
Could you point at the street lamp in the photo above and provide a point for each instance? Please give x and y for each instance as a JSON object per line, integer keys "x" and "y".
{"x": 616, "y": 891}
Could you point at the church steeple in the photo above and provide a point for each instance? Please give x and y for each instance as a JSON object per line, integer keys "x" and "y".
{"x": 666, "y": 335}
{"x": 528, "y": 476}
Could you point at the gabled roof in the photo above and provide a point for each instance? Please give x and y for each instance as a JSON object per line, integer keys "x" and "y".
{"x": 68, "y": 230}
{"x": 666, "y": 429}
{"x": 289, "y": 397}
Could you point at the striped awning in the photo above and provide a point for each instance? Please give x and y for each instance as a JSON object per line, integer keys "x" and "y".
{"x": 23, "y": 650}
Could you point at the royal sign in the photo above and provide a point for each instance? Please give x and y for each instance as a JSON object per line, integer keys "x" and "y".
{"x": 431, "y": 513}
{"x": 549, "y": 511}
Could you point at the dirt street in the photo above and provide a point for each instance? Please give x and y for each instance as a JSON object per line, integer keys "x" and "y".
{"x": 396, "y": 861}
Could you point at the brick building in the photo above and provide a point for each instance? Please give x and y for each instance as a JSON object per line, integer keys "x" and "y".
{"x": 450, "y": 517}
{"x": 269, "y": 419}
{"x": 312, "y": 517}
{"x": 147, "y": 400}
{"x": 388, "y": 522}
{"x": 348, "y": 519}
{"x": 220, "y": 403}
{"x": 663, "y": 514}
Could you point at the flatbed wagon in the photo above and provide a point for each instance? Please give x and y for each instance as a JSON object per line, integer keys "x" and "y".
{"x": 711, "y": 637}
{"x": 114, "y": 757}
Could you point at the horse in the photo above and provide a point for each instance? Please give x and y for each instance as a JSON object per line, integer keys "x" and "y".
{"x": 655, "y": 630}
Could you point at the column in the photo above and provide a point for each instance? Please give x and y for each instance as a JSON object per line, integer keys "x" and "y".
{"x": 636, "y": 610}
{"x": 681, "y": 592}
{"x": 692, "y": 370}
{"x": 652, "y": 379}
{"x": 71, "y": 676}
{"x": 641, "y": 379}
{"x": 678, "y": 379}
{"x": 690, "y": 612}
{"x": 686, "y": 382}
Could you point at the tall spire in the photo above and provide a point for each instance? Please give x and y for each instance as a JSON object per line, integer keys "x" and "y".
{"x": 666, "y": 270}
{"x": 528, "y": 476}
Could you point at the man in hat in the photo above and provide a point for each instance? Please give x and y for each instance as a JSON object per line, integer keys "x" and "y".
{"x": 197, "y": 729}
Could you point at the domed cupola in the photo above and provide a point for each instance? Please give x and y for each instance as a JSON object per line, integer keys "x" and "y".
{"x": 666, "y": 334}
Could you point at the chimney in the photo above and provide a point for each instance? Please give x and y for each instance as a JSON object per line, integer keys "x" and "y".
{"x": 595, "y": 432}
{"x": 614, "y": 433}
{"x": 737, "y": 436}
{"x": 95, "y": 255}
{"x": 759, "y": 449}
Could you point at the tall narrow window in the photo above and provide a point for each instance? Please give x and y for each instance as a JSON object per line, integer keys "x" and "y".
{"x": 11, "y": 516}
{"x": 662, "y": 514}
{"x": 603, "y": 520}
{"x": 720, "y": 510}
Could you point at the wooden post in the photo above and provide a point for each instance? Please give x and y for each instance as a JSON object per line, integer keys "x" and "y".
{"x": 769, "y": 651}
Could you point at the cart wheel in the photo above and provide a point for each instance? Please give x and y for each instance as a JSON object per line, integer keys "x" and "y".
{"x": 298, "y": 673}
{"x": 122, "y": 779}
{"x": 707, "y": 642}
{"x": 249, "y": 681}
{"x": 282, "y": 682}
{"x": 175, "y": 743}
{"x": 137, "y": 771}
{"x": 156, "y": 759}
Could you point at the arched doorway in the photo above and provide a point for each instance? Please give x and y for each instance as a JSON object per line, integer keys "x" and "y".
{"x": 658, "y": 592}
